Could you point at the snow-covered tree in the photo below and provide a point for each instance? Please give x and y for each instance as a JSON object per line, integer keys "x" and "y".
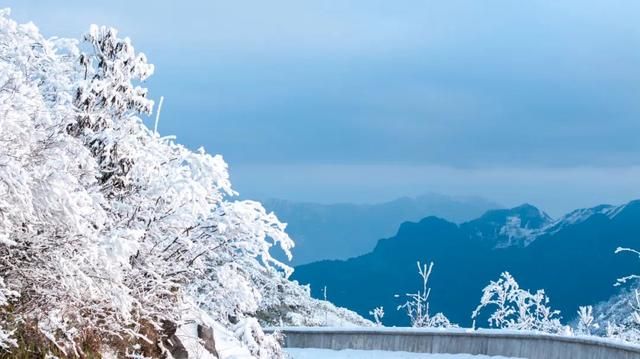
{"x": 108, "y": 231}
{"x": 516, "y": 308}
{"x": 50, "y": 213}
{"x": 622, "y": 313}
{"x": 631, "y": 277}
{"x": 417, "y": 305}
{"x": 627, "y": 328}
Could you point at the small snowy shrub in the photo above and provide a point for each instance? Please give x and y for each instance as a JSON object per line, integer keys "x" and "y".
{"x": 628, "y": 327}
{"x": 377, "y": 314}
{"x": 261, "y": 345}
{"x": 586, "y": 320}
{"x": 287, "y": 303}
{"x": 417, "y": 305}
{"x": 518, "y": 308}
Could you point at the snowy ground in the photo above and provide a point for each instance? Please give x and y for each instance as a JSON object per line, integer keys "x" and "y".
{"x": 375, "y": 354}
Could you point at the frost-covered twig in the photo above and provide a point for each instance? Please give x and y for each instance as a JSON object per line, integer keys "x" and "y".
{"x": 378, "y": 314}
{"x": 417, "y": 305}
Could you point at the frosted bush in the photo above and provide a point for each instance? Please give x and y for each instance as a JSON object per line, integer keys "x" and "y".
{"x": 106, "y": 226}
{"x": 516, "y": 308}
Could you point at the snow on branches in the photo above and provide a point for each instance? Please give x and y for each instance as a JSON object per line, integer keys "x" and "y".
{"x": 377, "y": 313}
{"x": 622, "y": 312}
{"x": 417, "y": 305}
{"x": 586, "y": 321}
{"x": 518, "y": 308}
{"x": 104, "y": 225}
{"x": 6, "y": 296}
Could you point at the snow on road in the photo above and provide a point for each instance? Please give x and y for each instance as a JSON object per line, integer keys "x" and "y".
{"x": 376, "y": 354}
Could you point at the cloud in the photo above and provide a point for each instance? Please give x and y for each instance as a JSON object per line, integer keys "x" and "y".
{"x": 459, "y": 83}
{"x": 556, "y": 190}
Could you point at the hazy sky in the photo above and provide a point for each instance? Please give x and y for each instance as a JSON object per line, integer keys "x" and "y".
{"x": 516, "y": 101}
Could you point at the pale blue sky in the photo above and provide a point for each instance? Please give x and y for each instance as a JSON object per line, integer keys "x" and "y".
{"x": 535, "y": 101}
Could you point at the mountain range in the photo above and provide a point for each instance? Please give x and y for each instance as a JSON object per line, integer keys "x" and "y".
{"x": 571, "y": 257}
{"x": 344, "y": 230}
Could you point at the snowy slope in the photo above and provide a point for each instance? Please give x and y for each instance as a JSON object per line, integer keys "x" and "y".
{"x": 524, "y": 224}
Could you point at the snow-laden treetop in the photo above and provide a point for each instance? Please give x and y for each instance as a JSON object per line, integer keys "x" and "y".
{"x": 107, "y": 229}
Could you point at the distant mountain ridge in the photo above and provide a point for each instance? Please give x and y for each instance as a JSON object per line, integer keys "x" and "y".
{"x": 344, "y": 230}
{"x": 507, "y": 227}
{"x": 571, "y": 257}
{"x": 524, "y": 224}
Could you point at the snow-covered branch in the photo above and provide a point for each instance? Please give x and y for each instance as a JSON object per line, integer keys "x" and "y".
{"x": 516, "y": 308}
{"x": 417, "y": 305}
{"x": 107, "y": 229}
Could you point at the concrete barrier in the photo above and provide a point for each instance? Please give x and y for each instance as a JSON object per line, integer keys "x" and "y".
{"x": 484, "y": 341}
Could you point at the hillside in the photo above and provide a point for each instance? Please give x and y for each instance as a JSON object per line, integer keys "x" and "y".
{"x": 572, "y": 258}
{"x": 344, "y": 230}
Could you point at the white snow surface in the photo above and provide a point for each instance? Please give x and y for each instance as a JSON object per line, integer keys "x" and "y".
{"x": 376, "y": 354}
{"x": 188, "y": 335}
{"x": 515, "y": 231}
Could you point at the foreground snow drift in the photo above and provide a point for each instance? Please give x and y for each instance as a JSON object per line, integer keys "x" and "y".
{"x": 376, "y": 354}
